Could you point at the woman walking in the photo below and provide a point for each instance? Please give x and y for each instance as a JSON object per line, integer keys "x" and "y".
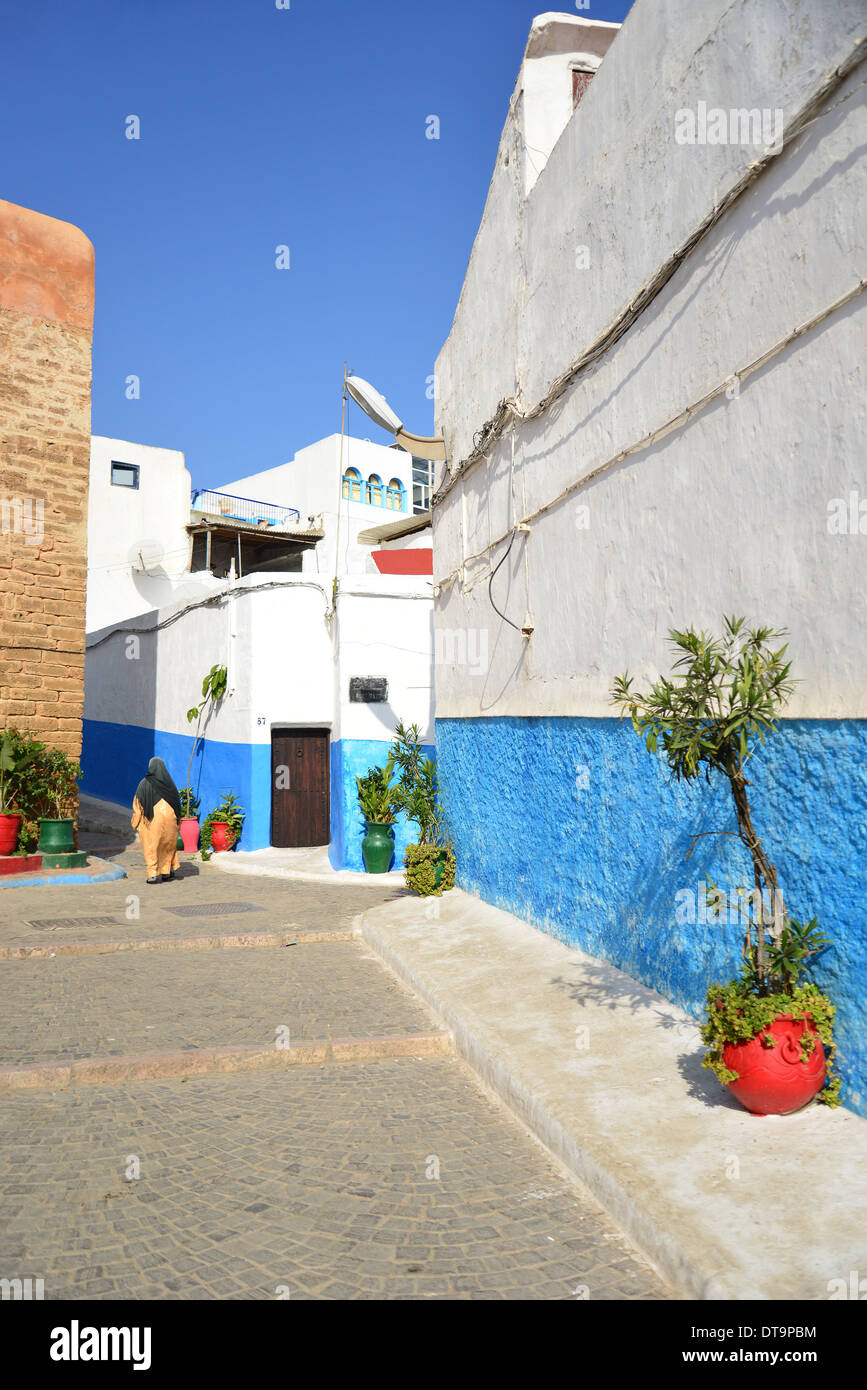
{"x": 156, "y": 815}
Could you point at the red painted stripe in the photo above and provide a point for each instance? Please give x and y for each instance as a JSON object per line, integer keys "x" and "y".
{"x": 419, "y": 561}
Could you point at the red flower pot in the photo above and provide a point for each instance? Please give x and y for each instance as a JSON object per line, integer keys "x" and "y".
{"x": 9, "y": 826}
{"x": 222, "y": 837}
{"x": 190, "y": 834}
{"x": 774, "y": 1080}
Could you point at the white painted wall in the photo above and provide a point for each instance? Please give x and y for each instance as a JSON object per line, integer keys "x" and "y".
{"x": 279, "y": 651}
{"x": 311, "y": 483}
{"x": 124, "y": 524}
{"x": 557, "y": 44}
{"x": 385, "y": 627}
{"x": 730, "y": 512}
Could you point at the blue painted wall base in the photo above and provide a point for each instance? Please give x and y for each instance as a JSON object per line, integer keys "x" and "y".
{"x": 351, "y": 758}
{"x": 115, "y": 758}
{"x": 572, "y": 825}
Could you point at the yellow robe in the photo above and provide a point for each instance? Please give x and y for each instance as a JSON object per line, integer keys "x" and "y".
{"x": 159, "y": 837}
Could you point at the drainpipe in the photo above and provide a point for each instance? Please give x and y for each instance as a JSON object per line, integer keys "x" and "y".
{"x": 230, "y": 626}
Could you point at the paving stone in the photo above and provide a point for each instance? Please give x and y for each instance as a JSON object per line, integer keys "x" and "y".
{"x": 313, "y": 1177}
{"x": 110, "y": 1006}
{"x": 302, "y": 1136}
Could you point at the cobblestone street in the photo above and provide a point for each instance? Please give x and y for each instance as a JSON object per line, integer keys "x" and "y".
{"x": 388, "y": 1176}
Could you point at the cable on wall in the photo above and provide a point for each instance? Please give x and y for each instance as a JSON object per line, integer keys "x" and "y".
{"x": 509, "y": 410}
{"x": 239, "y": 593}
{"x": 491, "y": 582}
{"x": 672, "y": 423}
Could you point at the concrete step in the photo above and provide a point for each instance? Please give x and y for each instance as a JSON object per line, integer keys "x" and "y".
{"x": 226, "y": 941}
{"x": 607, "y": 1074}
{"x": 88, "y": 1071}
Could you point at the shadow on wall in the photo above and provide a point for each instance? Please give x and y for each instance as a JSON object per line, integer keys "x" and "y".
{"x": 572, "y": 825}
{"x": 121, "y": 678}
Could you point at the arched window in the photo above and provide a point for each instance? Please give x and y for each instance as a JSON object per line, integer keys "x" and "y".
{"x": 352, "y": 485}
{"x": 374, "y": 490}
{"x": 395, "y": 497}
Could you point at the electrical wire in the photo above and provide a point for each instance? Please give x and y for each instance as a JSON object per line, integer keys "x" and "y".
{"x": 239, "y": 592}
{"x": 509, "y": 410}
{"x": 674, "y": 421}
{"x": 491, "y": 581}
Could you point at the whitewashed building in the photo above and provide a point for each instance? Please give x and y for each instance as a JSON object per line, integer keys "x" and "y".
{"x": 295, "y": 581}
{"x": 653, "y": 404}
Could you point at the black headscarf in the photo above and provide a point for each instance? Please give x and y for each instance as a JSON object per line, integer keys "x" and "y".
{"x": 157, "y": 786}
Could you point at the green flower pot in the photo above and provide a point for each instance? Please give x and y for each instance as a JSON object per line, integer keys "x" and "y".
{"x": 440, "y": 866}
{"x": 377, "y": 847}
{"x": 55, "y": 836}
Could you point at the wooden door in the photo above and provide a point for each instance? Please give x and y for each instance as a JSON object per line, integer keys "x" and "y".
{"x": 300, "y": 803}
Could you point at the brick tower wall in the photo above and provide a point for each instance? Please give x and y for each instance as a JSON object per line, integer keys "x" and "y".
{"x": 46, "y": 322}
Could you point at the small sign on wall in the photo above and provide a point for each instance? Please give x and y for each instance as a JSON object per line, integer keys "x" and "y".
{"x": 368, "y": 690}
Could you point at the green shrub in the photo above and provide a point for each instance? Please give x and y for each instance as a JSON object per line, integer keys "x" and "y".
{"x": 736, "y": 1014}
{"x": 421, "y": 862}
{"x": 43, "y": 786}
{"x": 376, "y": 794}
{"x": 227, "y": 813}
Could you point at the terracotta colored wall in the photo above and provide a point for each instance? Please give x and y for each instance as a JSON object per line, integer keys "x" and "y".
{"x": 46, "y": 321}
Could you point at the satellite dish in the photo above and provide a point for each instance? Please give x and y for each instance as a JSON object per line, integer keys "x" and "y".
{"x": 145, "y": 556}
{"x": 373, "y": 404}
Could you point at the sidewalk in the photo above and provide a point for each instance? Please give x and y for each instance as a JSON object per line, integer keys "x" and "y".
{"x": 727, "y": 1205}
{"x": 305, "y": 865}
{"x": 308, "y": 865}
{"x": 191, "y": 1109}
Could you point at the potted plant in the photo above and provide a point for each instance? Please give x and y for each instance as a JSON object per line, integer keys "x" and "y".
{"x": 213, "y": 690}
{"x": 58, "y": 777}
{"x": 189, "y": 828}
{"x": 430, "y": 865}
{"x": 12, "y": 763}
{"x": 766, "y": 1033}
{"x": 221, "y": 829}
{"x": 376, "y": 801}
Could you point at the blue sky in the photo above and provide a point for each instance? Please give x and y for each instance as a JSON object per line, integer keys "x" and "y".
{"x": 261, "y": 128}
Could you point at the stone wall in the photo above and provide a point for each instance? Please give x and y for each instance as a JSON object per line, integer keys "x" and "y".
{"x": 46, "y": 318}
{"x": 708, "y": 459}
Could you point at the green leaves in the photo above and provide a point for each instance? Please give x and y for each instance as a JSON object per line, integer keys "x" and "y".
{"x": 736, "y": 1014}
{"x": 229, "y": 813}
{"x": 14, "y": 758}
{"x": 42, "y": 781}
{"x": 724, "y": 697}
{"x": 213, "y": 689}
{"x": 798, "y": 941}
{"x": 376, "y": 795}
{"x": 726, "y": 692}
{"x": 417, "y": 791}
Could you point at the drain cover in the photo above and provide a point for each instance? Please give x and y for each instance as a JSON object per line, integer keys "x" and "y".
{"x": 213, "y": 909}
{"x": 51, "y": 922}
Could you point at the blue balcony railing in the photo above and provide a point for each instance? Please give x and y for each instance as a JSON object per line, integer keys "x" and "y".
{"x": 231, "y": 508}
